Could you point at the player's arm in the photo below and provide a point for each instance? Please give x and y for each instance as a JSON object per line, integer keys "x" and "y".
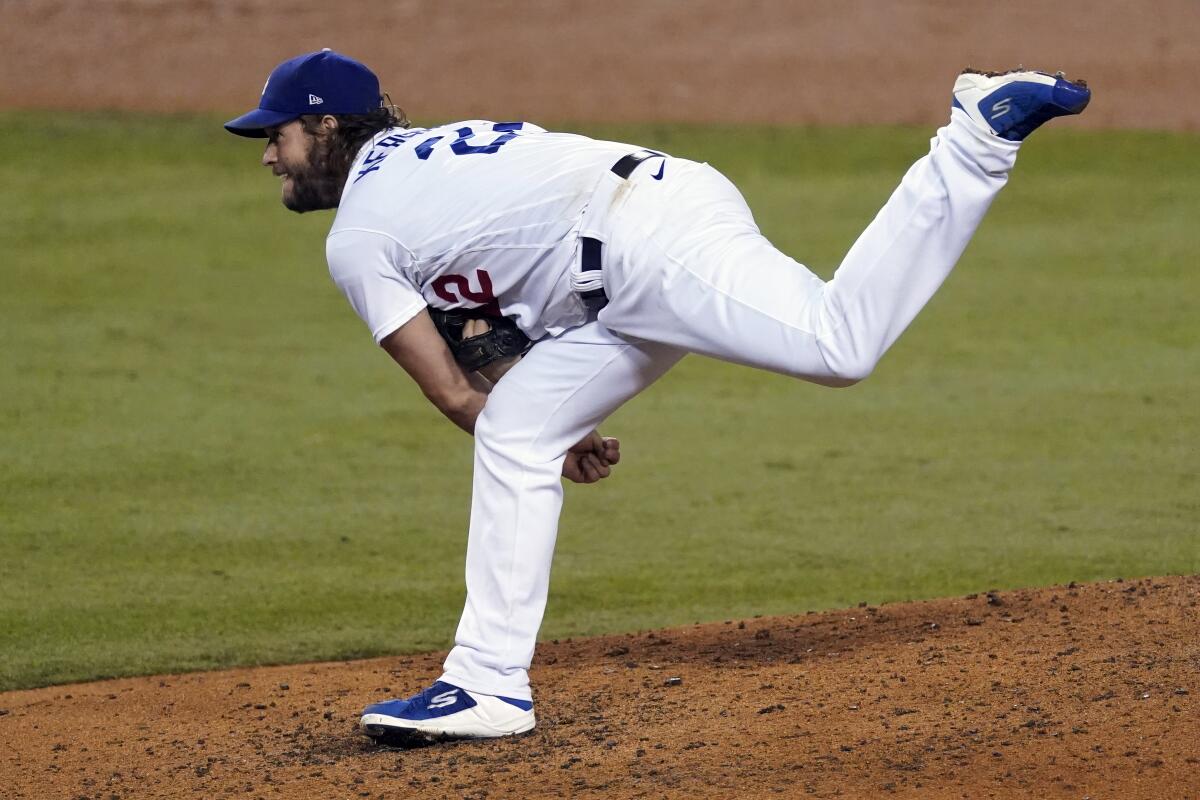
{"x": 420, "y": 350}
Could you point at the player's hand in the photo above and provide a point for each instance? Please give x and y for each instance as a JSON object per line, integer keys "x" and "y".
{"x": 591, "y": 458}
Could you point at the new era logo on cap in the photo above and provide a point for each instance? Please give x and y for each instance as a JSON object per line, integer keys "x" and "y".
{"x": 313, "y": 100}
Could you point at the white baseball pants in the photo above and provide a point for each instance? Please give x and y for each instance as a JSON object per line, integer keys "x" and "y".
{"x": 686, "y": 270}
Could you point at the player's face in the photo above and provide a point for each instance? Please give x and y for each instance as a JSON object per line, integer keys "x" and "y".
{"x": 301, "y": 160}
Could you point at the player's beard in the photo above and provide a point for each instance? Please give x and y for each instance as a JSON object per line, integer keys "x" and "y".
{"x": 317, "y": 184}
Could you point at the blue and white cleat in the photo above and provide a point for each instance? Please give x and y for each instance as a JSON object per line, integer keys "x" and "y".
{"x": 1013, "y": 104}
{"x": 444, "y": 711}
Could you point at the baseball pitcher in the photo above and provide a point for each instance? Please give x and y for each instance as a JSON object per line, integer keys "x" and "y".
{"x": 531, "y": 282}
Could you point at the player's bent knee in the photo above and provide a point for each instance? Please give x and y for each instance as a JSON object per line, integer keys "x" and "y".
{"x": 835, "y": 382}
{"x": 847, "y": 372}
{"x": 491, "y": 431}
{"x": 510, "y": 437}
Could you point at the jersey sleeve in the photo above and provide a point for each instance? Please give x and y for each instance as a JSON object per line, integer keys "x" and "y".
{"x": 369, "y": 269}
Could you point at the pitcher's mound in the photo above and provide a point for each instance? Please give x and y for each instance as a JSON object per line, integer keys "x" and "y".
{"x": 1064, "y": 692}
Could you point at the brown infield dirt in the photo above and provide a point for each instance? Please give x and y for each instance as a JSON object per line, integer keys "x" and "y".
{"x": 1071, "y": 692}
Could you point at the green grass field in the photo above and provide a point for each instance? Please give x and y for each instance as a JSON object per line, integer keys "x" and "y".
{"x": 204, "y": 461}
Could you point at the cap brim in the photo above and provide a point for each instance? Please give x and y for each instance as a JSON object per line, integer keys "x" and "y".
{"x": 252, "y": 125}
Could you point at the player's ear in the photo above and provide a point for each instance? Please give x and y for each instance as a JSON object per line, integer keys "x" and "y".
{"x": 328, "y": 124}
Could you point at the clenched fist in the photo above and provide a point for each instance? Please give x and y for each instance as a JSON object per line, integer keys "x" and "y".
{"x": 591, "y": 458}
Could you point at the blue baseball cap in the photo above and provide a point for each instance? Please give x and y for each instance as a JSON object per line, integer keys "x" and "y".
{"x": 324, "y": 82}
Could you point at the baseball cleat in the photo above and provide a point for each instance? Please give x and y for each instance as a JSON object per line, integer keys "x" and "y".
{"x": 1013, "y": 104}
{"x": 444, "y": 711}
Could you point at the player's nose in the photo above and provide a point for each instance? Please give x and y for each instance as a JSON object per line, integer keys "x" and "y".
{"x": 270, "y": 156}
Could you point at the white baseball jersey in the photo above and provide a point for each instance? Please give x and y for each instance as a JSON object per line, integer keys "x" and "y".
{"x": 470, "y": 214}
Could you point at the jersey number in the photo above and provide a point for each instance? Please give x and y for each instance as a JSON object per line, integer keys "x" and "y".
{"x": 457, "y": 289}
{"x": 507, "y": 131}
{"x": 383, "y": 148}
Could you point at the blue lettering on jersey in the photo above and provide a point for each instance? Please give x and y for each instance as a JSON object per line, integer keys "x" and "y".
{"x": 425, "y": 148}
{"x": 383, "y": 148}
{"x": 507, "y": 131}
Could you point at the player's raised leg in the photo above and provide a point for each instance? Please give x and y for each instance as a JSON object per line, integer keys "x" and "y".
{"x": 563, "y": 389}
{"x": 718, "y": 287}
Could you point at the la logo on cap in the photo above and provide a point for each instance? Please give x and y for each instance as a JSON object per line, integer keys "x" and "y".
{"x": 313, "y": 100}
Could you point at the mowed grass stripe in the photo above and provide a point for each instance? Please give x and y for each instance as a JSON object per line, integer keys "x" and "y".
{"x": 204, "y": 461}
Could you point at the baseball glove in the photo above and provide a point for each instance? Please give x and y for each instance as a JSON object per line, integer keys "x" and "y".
{"x": 490, "y": 352}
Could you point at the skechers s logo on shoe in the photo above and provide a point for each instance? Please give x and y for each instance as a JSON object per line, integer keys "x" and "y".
{"x": 444, "y": 699}
{"x": 1001, "y": 108}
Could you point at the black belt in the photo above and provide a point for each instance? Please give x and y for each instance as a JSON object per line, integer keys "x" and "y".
{"x": 629, "y": 163}
{"x": 592, "y": 258}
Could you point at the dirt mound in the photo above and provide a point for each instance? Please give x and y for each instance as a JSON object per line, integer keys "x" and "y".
{"x": 819, "y": 61}
{"x": 1064, "y": 692}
